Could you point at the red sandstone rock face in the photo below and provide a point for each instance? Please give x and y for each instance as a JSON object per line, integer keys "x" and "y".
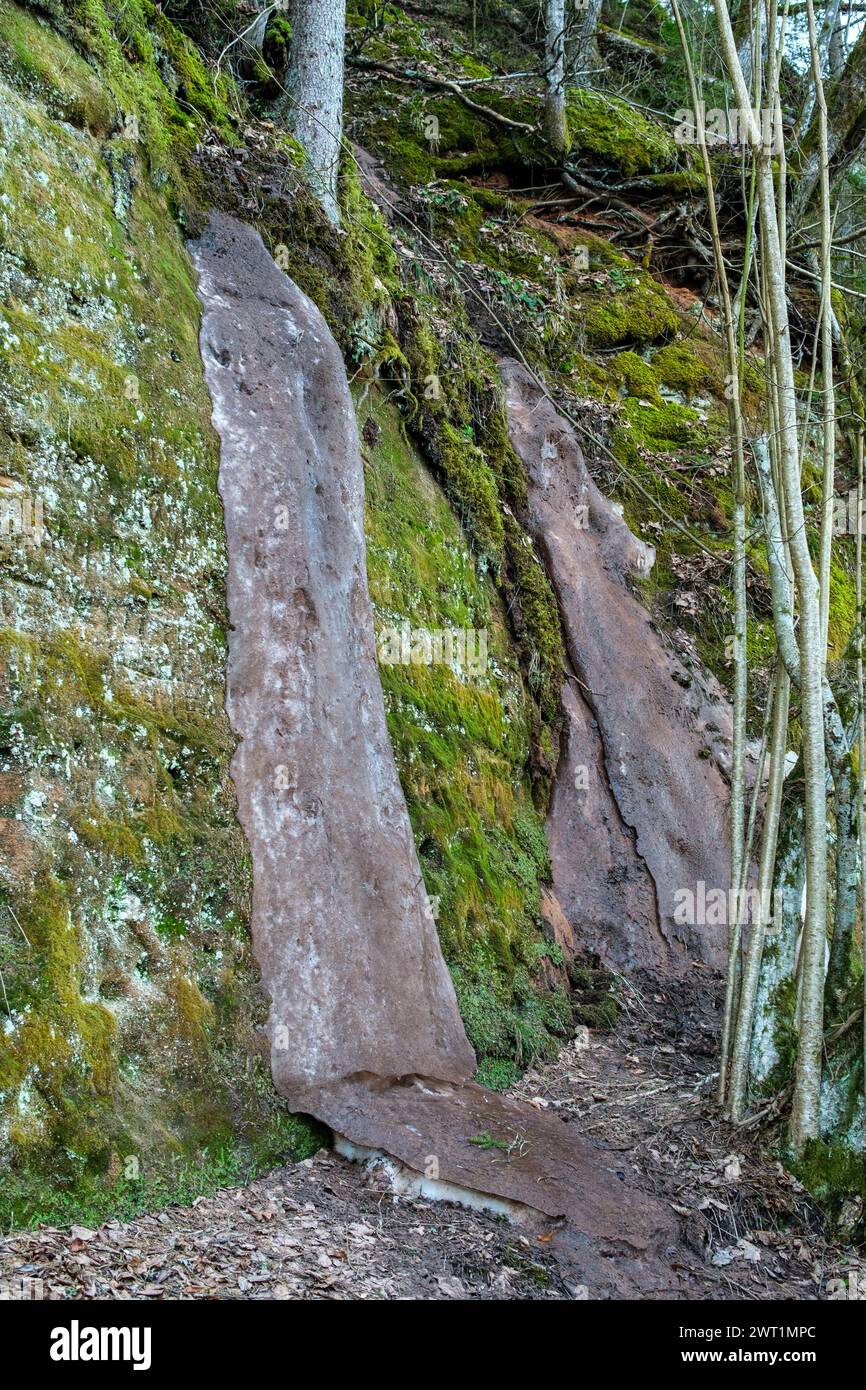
{"x": 640, "y": 805}
{"x": 347, "y": 947}
{"x": 486, "y": 1143}
{"x": 364, "y": 1028}
{"x": 603, "y": 885}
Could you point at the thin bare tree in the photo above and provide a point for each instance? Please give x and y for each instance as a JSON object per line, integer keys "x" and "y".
{"x": 555, "y": 119}
{"x": 807, "y": 1086}
{"x": 829, "y": 405}
{"x": 738, "y": 869}
{"x": 314, "y": 83}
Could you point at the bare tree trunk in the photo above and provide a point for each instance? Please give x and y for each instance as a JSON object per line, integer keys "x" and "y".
{"x": 585, "y": 59}
{"x": 861, "y": 726}
{"x": 850, "y": 840}
{"x": 845, "y": 911}
{"x": 555, "y": 122}
{"x": 779, "y": 961}
{"x": 804, "y": 1115}
{"x": 739, "y": 870}
{"x": 837, "y": 51}
{"x": 829, "y": 410}
{"x": 760, "y": 918}
{"x": 314, "y": 83}
{"x": 747, "y": 25}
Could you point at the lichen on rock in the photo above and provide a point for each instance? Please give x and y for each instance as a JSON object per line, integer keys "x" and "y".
{"x": 131, "y": 999}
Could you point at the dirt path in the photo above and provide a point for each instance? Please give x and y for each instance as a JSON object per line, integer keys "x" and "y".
{"x": 645, "y": 1094}
{"x": 330, "y": 1229}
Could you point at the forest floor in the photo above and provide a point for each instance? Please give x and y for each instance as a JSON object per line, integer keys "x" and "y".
{"x": 330, "y": 1229}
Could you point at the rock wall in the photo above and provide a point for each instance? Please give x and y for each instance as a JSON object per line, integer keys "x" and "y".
{"x": 639, "y": 812}
{"x": 341, "y": 923}
{"x": 130, "y": 1063}
{"x": 129, "y": 1060}
{"x": 364, "y": 1028}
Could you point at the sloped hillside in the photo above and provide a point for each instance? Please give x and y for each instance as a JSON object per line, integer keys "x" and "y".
{"x": 134, "y": 1069}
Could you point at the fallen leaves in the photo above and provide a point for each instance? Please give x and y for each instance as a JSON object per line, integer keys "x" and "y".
{"x": 312, "y": 1231}
{"x": 743, "y": 1250}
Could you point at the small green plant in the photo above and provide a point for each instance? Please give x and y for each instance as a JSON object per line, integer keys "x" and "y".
{"x": 485, "y": 1140}
{"x": 619, "y": 279}
{"x": 497, "y": 1073}
{"x": 515, "y": 1148}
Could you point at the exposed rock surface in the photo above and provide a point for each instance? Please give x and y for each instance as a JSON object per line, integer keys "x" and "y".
{"x": 640, "y": 806}
{"x": 363, "y": 1012}
{"x": 481, "y": 1142}
{"x": 341, "y": 927}
{"x": 129, "y": 996}
{"x": 326, "y": 1228}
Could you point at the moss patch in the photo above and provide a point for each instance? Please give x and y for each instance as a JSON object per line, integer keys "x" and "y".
{"x": 618, "y": 134}
{"x": 463, "y": 745}
{"x": 132, "y": 999}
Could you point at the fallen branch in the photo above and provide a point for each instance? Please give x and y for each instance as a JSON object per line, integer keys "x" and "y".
{"x": 816, "y": 279}
{"x": 584, "y": 191}
{"x": 444, "y": 84}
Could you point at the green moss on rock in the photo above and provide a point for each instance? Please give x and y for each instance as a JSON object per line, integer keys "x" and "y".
{"x": 689, "y": 367}
{"x": 617, "y": 133}
{"x": 463, "y": 744}
{"x": 121, "y": 1041}
{"x": 637, "y": 376}
{"x": 639, "y": 311}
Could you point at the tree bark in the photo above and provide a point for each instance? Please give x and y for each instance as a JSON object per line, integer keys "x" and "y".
{"x": 837, "y": 50}
{"x": 804, "y": 1114}
{"x": 314, "y": 82}
{"x": 780, "y": 955}
{"x": 829, "y": 403}
{"x": 555, "y": 122}
{"x": 744, "y": 34}
{"x": 845, "y": 913}
{"x": 861, "y": 727}
{"x": 760, "y": 923}
{"x": 846, "y": 128}
{"x": 585, "y": 59}
{"x": 738, "y": 869}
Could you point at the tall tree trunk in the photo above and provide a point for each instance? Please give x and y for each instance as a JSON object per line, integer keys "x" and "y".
{"x": 837, "y": 50}
{"x": 779, "y": 962}
{"x": 739, "y": 870}
{"x": 555, "y": 122}
{"x": 804, "y": 1114}
{"x": 314, "y": 82}
{"x": 846, "y": 128}
{"x": 861, "y": 727}
{"x": 761, "y": 916}
{"x": 744, "y": 33}
{"x": 585, "y": 59}
{"x": 829, "y": 404}
{"x": 845, "y": 912}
